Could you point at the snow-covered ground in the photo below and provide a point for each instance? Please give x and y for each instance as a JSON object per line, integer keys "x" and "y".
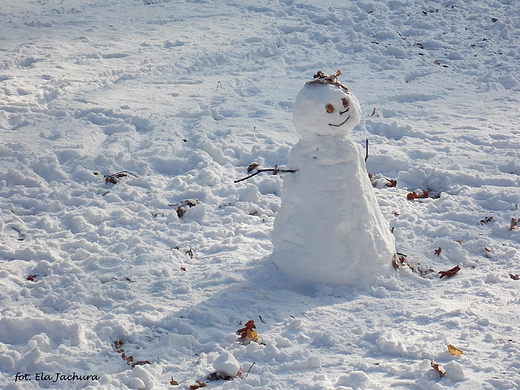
{"x": 143, "y": 283}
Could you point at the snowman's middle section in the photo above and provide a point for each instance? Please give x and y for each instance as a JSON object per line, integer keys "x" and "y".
{"x": 329, "y": 227}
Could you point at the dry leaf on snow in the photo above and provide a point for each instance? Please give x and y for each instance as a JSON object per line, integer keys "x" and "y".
{"x": 198, "y": 385}
{"x": 438, "y": 368}
{"x": 449, "y": 273}
{"x": 414, "y": 195}
{"x": 247, "y": 333}
{"x": 454, "y": 350}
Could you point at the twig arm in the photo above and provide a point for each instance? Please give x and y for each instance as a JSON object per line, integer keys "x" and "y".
{"x": 247, "y": 177}
{"x": 274, "y": 170}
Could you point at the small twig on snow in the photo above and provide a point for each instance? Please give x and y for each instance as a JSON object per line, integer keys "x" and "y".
{"x": 366, "y": 148}
{"x": 248, "y": 371}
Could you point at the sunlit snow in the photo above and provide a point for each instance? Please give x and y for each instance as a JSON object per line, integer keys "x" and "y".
{"x": 129, "y": 257}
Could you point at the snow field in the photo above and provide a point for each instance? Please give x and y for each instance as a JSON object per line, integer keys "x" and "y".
{"x": 186, "y": 95}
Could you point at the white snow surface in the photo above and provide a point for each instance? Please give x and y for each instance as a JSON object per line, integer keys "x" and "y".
{"x": 165, "y": 266}
{"x": 329, "y": 228}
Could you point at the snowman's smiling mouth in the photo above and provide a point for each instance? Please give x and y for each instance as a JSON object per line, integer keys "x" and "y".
{"x": 341, "y": 124}
{"x": 345, "y": 121}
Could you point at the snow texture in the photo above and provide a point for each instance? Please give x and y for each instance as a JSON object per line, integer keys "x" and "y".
{"x": 165, "y": 267}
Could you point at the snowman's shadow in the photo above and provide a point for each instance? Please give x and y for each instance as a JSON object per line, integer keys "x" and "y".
{"x": 258, "y": 292}
{"x": 262, "y": 294}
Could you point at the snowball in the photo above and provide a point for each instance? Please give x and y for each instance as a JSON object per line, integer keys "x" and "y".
{"x": 455, "y": 371}
{"x": 325, "y": 109}
{"x": 226, "y": 365}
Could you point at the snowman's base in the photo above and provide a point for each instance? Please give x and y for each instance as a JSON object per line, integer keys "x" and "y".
{"x": 329, "y": 228}
{"x": 348, "y": 276}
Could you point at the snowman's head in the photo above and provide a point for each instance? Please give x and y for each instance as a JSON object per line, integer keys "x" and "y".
{"x": 325, "y": 106}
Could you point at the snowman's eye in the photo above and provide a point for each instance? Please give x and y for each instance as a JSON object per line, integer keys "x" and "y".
{"x": 345, "y": 102}
{"x": 330, "y": 108}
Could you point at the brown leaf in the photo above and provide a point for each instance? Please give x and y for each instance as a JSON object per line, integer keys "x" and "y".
{"x": 252, "y": 167}
{"x": 454, "y": 350}
{"x": 117, "y": 346}
{"x": 198, "y": 385}
{"x": 514, "y": 223}
{"x": 128, "y": 359}
{"x": 514, "y": 277}
{"x": 247, "y": 333}
{"x": 174, "y": 382}
{"x": 391, "y": 183}
{"x": 414, "y": 195}
{"x": 182, "y": 268}
{"x": 449, "y": 273}
{"x": 182, "y": 206}
{"x": 438, "y": 251}
{"x": 250, "y": 325}
{"x": 114, "y": 178}
{"x": 395, "y": 262}
{"x": 438, "y": 368}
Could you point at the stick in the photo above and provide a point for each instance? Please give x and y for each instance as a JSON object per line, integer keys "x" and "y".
{"x": 366, "y": 154}
{"x": 275, "y": 170}
{"x": 247, "y": 373}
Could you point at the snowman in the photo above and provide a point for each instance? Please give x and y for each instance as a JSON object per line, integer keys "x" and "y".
{"x": 329, "y": 228}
